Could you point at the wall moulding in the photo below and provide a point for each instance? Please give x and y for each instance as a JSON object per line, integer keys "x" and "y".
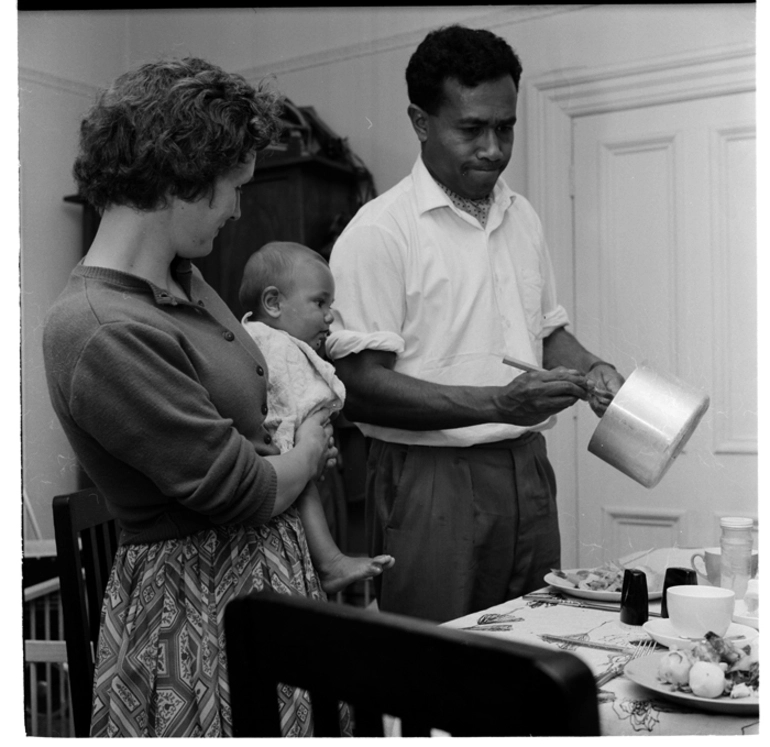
{"x": 505, "y": 16}
{"x": 62, "y": 85}
{"x": 672, "y": 78}
{"x": 611, "y": 301}
{"x": 554, "y": 99}
{"x": 642, "y": 527}
{"x": 736, "y": 420}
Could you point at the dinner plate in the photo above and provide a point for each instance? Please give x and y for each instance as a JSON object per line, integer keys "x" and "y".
{"x": 644, "y": 672}
{"x": 662, "y": 631}
{"x": 599, "y": 596}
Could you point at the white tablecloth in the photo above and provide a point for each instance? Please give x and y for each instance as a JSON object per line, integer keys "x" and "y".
{"x": 625, "y": 709}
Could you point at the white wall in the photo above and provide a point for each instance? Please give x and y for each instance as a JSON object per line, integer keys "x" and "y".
{"x": 347, "y": 63}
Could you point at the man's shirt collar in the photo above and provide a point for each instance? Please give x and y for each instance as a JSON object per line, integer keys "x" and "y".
{"x": 431, "y": 195}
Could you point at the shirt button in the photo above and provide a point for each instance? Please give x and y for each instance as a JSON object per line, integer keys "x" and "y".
{"x": 229, "y": 336}
{"x": 260, "y": 370}
{"x": 264, "y": 409}
{"x": 268, "y": 439}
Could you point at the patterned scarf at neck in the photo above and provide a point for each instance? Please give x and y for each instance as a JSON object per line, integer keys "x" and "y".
{"x": 479, "y": 209}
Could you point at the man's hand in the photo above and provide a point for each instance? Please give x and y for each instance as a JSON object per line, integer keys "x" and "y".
{"x": 533, "y": 397}
{"x": 605, "y": 382}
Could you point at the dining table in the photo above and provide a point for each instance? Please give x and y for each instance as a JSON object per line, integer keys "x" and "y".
{"x": 628, "y": 705}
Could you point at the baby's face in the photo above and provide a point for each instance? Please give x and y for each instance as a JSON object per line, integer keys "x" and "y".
{"x": 306, "y": 308}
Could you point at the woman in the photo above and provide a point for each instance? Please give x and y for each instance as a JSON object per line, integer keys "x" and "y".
{"x": 162, "y": 395}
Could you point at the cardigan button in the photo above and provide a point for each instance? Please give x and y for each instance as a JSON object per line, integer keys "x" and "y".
{"x": 229, "y": 336}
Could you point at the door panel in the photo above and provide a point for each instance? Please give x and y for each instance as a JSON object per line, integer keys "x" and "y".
{"x": 665, "y": 268}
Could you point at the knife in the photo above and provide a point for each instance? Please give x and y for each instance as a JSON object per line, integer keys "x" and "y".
{"x": 585, "y": 605}
{"x": 548, "y": 638}
{"x": 497, "y": 628}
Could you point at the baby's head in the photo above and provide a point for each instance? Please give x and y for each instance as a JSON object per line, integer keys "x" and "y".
{"x": 289, "y": 287}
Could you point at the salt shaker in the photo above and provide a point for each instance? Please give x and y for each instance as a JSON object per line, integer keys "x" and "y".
{"x": 737, "y": 544}
{"x": 634, "y": 604}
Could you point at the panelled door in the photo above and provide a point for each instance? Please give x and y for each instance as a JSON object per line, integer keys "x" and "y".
{"x": 665, "y": 272}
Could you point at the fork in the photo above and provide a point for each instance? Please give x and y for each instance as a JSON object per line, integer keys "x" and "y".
{"x": 643, "y": 648}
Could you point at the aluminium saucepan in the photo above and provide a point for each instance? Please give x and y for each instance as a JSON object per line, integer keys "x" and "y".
{"x": 647, "y": 424}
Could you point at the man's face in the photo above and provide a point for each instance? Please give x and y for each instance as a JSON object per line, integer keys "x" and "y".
{"x": 467, "y": 144}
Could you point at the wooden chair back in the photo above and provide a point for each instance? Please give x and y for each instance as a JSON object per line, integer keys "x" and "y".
{"x": 429, "y": 677}
{"x": 86, "y": 541}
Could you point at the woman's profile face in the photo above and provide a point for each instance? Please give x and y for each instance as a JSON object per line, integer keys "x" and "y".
{"x": 196, "y": 224}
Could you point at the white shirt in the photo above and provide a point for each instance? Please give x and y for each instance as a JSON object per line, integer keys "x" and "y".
{"x": 418, "y": 277}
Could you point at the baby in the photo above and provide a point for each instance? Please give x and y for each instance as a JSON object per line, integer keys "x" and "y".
{"x": 288, "y": 290}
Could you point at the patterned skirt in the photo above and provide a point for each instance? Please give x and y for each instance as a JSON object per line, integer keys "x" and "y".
{"x": 161, "y": 668}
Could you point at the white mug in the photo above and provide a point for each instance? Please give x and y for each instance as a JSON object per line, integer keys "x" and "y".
{"x": 697, "y": 610}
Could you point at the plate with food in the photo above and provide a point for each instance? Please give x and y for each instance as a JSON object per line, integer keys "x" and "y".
{"x": 715, "y": 675}
{"x": 602, "y": 584}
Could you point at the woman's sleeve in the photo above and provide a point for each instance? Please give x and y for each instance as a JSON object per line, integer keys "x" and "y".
{"x": 137, "y": 393}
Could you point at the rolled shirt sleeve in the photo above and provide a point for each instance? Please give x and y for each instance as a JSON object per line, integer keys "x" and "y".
{"x": 370, "y": 306}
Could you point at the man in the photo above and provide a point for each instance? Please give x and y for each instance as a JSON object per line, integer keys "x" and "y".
{"x": 438, "y": 280}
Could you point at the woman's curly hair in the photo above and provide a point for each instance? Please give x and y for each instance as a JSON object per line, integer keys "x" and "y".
{"x": 471, "y": 56}
{"x": 170, "y": 129}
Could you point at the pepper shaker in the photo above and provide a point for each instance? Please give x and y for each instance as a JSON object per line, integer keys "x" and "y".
{"x": 634, "y": 603}
{"x": 676, "y": 577}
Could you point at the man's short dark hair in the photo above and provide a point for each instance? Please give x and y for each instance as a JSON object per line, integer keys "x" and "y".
{"x": 471, "y": 56}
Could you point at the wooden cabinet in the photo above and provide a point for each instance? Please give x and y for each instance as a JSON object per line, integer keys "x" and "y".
{"x": 301, "y": 199}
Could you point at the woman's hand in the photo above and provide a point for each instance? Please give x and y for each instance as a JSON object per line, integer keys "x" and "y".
{"x": 317, "y": 435}
{"x": 313, "y": 451}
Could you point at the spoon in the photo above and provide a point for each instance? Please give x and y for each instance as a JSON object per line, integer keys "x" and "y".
{"x": 521, "y": 365}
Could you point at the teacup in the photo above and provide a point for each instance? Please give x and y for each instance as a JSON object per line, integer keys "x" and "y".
{"x": 710, "y": 562}
{"x": 696, "y": 610}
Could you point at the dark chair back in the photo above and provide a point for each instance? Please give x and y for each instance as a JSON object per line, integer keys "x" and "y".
{"x": 86, "y": 542}
{"x": 467, "y": 684}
